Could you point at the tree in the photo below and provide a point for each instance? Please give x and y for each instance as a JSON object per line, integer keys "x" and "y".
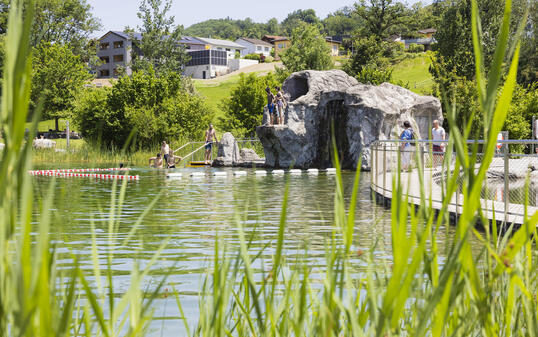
{"x": 380, "y": 16}
{"x": 59, "y": 21}
{"x": 528, "y": 64}
{"x": 244, "y": 108}
{"x": 57, "y": 75}
{"x": 154, "y": 107}
{"x": 370, "y": 61}
{"x": 159, "y": 48}
{"x": 298, "y": 18}
{"x": 342, "y": 22}
{"x": 308, "y": 50}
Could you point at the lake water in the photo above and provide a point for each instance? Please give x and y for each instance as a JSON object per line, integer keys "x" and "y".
{"x": 193, "y": 212}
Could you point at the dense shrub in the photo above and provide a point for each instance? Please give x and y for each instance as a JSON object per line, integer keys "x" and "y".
{"x": 244, "y": 109}
{"x": 374, "y": 76}
{"x": 253, "y": 57}
{"x": 308, "y": 50}
{"x": 415, "y": 48}
{"x": 155, "y": 108}
{"x": 269, "y": 59}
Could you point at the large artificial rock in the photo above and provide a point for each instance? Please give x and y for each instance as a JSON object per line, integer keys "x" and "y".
{"x": 249, "y": 155}
{"x": 322, "y": 101}
{"x": 228, "y": 151}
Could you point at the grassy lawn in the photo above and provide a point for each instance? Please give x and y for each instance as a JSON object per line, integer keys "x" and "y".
{"x": 215, "y": 92}
{"x": 414, "y": 73}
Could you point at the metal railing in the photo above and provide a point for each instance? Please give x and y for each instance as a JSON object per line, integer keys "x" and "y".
{"x": 504, "y": 191}
{"x": 195, "y": 151}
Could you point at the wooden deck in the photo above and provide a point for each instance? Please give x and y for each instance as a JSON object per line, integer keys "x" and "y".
{"x": 382, "y": 187}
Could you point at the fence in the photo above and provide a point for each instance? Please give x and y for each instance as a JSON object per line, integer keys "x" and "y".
{"x": 195, "y": 151}
{"x": 424, "y": 169}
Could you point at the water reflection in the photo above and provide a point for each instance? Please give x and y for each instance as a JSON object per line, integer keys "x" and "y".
{"x": 193, "y": 212}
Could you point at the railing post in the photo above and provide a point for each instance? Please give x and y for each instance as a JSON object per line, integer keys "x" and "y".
{"x": 384, "y": 168}
{"x": 506, "y": 183}
{"x": 372, "y": 167}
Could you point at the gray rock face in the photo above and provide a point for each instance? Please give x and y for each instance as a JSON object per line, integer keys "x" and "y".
{"x": 249, "y": 155}
{"x": 228, "y": 151}
{"x": 322, "y": 101}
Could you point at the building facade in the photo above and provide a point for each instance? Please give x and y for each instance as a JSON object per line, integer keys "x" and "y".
{"x": 115, "y": 52}
{"x": 254, "y": 46}
{"x": 280, "y": 43}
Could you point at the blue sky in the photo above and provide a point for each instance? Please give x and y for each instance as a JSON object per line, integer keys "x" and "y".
{"x": 116, "y": 14}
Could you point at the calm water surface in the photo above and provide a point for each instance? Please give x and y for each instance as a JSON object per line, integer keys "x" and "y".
{"x": 193, "y": 212}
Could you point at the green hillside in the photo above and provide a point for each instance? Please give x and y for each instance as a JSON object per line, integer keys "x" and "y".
{"x": 413, "y": 72}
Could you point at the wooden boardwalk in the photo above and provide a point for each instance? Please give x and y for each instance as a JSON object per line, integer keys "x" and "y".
{"x": 382, "y": 186}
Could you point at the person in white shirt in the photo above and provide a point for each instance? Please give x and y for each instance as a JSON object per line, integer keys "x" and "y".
{"x": 165, "y": 150}
{"x": 438, "y": 133}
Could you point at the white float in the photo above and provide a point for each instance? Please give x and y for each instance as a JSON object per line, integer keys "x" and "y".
{"x": 174, "y": 175}
{"x": 312, "y": 171}
{"x": 220, "y": 174}
{"x": 261, "y": 173}
{"x": 295, "y": 171}
{"x": 331, "y": 170}
{"x": 277, "y": 172}
{"x": 197, "y": 174}
{"x": 240, "y": 173}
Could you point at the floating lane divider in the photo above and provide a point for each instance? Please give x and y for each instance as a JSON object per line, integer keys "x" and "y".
{"x": 260, "y": 173}
{"x": 220, "y": 174}
{"x": 295, "y": 171}
{"x": 331, "y": 171}
{"x": 312, "y": 171}
{"x": 41, "y": 172}
{"x": 240, "y": 173}
{"x": 86, "y": 175}
{"x": 174, "y": 175}
{"x": 277, "y": 172}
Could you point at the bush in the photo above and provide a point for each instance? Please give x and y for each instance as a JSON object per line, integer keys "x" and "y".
{"x": 415, "y": 48}
{"x": 155, "y": 108}
{"x": 269, "y": 59}
{"x": 253, "y": 57}
{"x": 308, "y": 51}
{"x": 243, "y": 110}
{"x": 374, "y": 76}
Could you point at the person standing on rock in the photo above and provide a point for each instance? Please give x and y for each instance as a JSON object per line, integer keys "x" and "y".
{"x": 438, "y": 134}
{"x": 210, "y": 134}
{"x": 280, "y": 104}
{"x": 407, "y": 147}
{"x": 270, "y": 103}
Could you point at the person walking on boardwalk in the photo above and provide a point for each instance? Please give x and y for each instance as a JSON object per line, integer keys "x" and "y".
{"x": 407, "y": 147}
{"x": 210, "y": 134}
{"x": 270, "y": 104}
{"x": 157, "y": 161}
{"x": 165, "y": 150}
{"x": 438, "y": 134}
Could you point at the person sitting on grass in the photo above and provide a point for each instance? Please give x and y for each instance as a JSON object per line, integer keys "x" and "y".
{"x": 173, "y": 159}
{"x": 157, "y": 161}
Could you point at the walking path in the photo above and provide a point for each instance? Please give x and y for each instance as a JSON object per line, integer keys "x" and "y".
{"x": 382, "y": 186}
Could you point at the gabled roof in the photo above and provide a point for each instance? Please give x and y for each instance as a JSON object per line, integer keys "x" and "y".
{"x": 190, "y": 40}
{"x": 126, "y": 36}
{"x": 255, "y": 41}
{"x": 138, "y": 37}
{"x": 217, "y": 42}
{"x": 428, "y": 31}
{"x": 330, "y": 39}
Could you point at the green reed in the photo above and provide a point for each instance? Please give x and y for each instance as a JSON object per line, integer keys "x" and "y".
{"x": 492, "y": 293}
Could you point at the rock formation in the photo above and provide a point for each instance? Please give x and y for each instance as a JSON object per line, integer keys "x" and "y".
{"x": 229, "y": 154}
{"x": 322, "y": 101}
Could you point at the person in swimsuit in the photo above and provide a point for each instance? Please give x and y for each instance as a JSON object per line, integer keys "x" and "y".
{"x": 173, "y": 159}
{"x": 157, "y": 161}
{"x": 270, "y": 103}
{"x": 165, "y": 149}
{"x": 280, "y": 104}
{"x": 210, "y": 134}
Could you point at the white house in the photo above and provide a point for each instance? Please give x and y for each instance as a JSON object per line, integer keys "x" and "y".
{"x": 222, "y": 45}
{"x": 254, "y": 46}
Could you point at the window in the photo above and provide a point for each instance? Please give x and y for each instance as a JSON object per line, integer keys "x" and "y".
{"x": 105, "y": 59}
{"x": 118, "y": 44}
{"x": 227, "y": 49}
{"x": 104, "y": 73}
{"x": 105, "y": 45}
{"x": 258, "y": 47}
{"x": 280, "y": 45}
{"x": 266, "y": 48}
{"x": 237, "y": 51}
{"x": 118, "y": 58}
{"x": 219, "y": 48}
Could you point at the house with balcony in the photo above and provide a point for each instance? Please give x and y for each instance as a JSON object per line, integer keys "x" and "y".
{"x": 254, "y": 46}
{"x": 280, "y": 43}
{"x": 115, "y": 53}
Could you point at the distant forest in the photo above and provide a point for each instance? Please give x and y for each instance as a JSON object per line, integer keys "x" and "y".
{"x": 350, "y": 20}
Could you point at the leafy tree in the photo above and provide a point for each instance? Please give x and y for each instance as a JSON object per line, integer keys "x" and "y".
{"x": 159, "y": 45}
{"x": 308, "y": 50}
{"x": 244, "y": 108}
{"x": 154, "y": 107}
{"x": 59, "y": 21}
{"x": 272, "y": 27}
{"x": 528, "y": 64}
{"x": 298, "y": 18}
{"x": 342, "y": 22}
{"x": 370, "y": 61}
{"x": 380, "y": 16}
{"x": 57, "y": 74}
